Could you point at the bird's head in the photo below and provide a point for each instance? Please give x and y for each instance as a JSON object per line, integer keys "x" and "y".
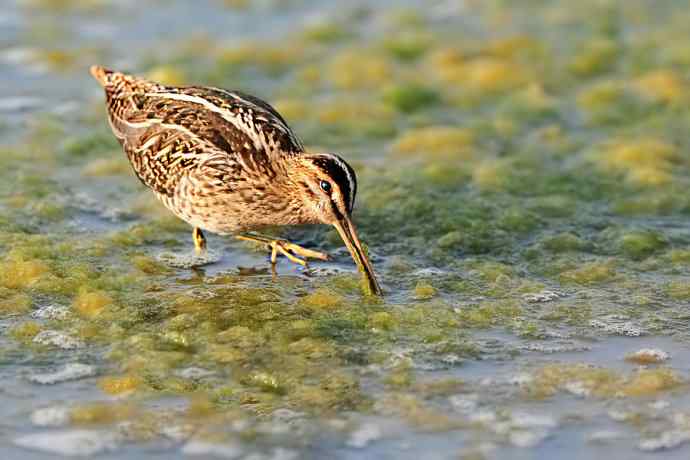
{"x": 329, "y": 186}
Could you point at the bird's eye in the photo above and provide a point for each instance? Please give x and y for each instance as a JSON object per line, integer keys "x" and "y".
{"x": 326, "y": 186}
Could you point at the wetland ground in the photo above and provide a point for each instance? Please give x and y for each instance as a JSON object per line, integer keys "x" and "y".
{"x": 524, "y": 172}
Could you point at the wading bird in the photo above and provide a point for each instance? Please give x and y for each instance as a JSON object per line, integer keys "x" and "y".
{"x": 227, "y": 162}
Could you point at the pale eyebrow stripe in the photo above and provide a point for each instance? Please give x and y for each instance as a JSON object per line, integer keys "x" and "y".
{"x": 350, "y": 179}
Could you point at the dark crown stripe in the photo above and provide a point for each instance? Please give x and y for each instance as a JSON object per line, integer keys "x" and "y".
{"x": 342, "y": 174}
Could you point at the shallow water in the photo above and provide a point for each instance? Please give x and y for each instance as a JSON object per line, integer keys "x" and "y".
{"x": 523, "y": 171}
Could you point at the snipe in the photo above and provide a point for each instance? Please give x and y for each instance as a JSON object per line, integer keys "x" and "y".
{"x": 227, "y": 162}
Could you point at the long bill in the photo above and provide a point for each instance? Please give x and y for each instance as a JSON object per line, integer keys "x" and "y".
{"x": 349, "y": 235}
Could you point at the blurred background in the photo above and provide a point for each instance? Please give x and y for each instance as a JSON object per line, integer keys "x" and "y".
{"x": 523, "y": 189}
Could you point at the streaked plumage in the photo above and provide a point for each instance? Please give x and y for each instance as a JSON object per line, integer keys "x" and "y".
{"x": 226, "y": 161}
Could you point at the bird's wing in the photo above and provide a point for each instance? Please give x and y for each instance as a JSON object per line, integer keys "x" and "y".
{"x": 162, "y": 154}
{"x": 230, "y": 136}
{"x": 236, "y": 116}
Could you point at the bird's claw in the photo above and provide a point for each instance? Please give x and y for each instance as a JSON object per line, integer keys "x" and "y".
{"x": 286, "y": 248}
{"x": 199, "y": 240}
{"x": 304, "y": 252}
{"x": 279, "y": 246}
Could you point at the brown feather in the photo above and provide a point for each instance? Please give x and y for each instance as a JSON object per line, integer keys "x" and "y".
{"x": 221, "y": 160}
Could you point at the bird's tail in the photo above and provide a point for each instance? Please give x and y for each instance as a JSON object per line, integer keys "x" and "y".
{"x": 121, "y": 94}
{"x": 115, "y": 82}
{"x": 107, "y": 77}
{"x": 101, "y": 74}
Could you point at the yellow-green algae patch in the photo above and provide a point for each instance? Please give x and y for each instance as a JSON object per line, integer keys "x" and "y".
{"x": 645, "y": 161}
{"x": 18, "y": 272}
{"x": 345, "y": 116}
{"x": 491, "y": 174}
{"x": 595, "y": 57}
{"x": 415, "y": 411}
{"x": 14, "y": 304}
{"x": 322, "y": 299}
{"x": 579, "y": 315}
{"x": 662, "y": 85}
{"x": 481, "y": 74}
{"x": 401, "y": 375}
{"x": 590, "y": 273}
{"x": 91, "y": 304}
{"x": 610, "y": 102}
{"x": 65, "y": 5}
{"x": 335, "y": 391}
{"x": 149, "y": 265}
{"x": 679, "y": 289}
{"x": 358, "y": 69}
{"x": 601, "y": 382}
{"x": 424, "y": 290}
{"x": 647, "y": 356}
{"x": 408, "y": 46}
{"x": 564, "y": 242}
{"x": 102, "y": 413}
{"x": 679, "y": 256}
{"x": 489, "y": 314}
{"x": 168, "y": 75}
{"x": 325, "y": 32}
{"x": 437, "y": 142}
{"x": 25, "y": 331}
{"x": 383, "y": 321}
{"x": 107, "y": 167}
{"x": 269, "y": 58}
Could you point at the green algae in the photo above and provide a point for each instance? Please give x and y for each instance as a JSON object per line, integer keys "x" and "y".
{"x": 579, "y": 315}
{"x": 679, "y": 289}
{"x": 490, "y": 314}
{"x": 450, "y": 240}
{"x": 596, "y": 57}
{"x": 564, "y": 242}
{"x": 326, "y": 33}
{"x": 409, "y": 46}
{"x": 411, "y": 98}
{"x": 92, "y": 145}
{"x": 641, "y": 244}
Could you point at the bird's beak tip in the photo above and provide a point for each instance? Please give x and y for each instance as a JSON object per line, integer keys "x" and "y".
{"x": 349, "y": 235}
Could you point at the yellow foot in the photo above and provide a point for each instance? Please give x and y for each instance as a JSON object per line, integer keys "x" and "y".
{"x": 284, "y": 247}
{"x": 199, "y": 240}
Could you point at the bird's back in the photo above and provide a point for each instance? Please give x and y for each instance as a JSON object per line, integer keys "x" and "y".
{"x": 193, "y": 140}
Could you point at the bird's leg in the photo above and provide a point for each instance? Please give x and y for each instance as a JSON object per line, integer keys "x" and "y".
{"x": 284, "y": 247}
{"x": 199, "y": 240}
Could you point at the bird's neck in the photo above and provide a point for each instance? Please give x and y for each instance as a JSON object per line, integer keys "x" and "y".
{"x": 285, "y": 202}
